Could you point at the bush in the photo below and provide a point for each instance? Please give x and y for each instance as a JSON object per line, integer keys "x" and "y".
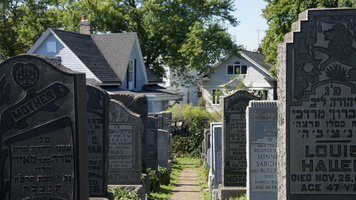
{"x": 121, "y": 194}
{"x": 163, "y": 175}
{"x": 154, "y": 181}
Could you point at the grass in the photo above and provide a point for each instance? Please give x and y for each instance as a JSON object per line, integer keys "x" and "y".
{"x": 183, "y": 163}
{"x": 165, "y": 190}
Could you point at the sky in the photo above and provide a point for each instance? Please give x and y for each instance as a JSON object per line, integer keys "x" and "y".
{"x": 252, "y": 26}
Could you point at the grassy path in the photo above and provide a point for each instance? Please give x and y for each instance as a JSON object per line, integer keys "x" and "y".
{"x": 186, "y": 164}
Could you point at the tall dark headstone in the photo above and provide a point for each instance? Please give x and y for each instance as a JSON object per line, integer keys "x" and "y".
{"x": 317, "y": 94}
{"x": 151, "y": 143}
{"x": 43, "y": 149}
{"x": 98, "y": 140}
{"x": 234, "y": 143}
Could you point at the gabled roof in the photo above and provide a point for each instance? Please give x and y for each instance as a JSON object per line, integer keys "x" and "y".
{"x": 257, "y": 59}
{"x": 85, "y": 48}
{"x": 116, "y": 48}
{"x": 106, "y": 55}
{"x": 152, "y": 77}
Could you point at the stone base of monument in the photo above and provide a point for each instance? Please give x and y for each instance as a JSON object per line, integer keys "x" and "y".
{"x": 139, "y": 189}
{"x": 109, "y": 196}
{"x": 210, "y": 179}
{"x": 215, "y": 194}
{"x": 225, "y": 192}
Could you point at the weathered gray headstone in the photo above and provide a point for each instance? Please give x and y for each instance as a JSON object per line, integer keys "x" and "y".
{"x": 217, "y": 155}
{"x": 217, "y": 159}
{"x": 262, "y": 150}
{"x": 43, "y": 149}
{"x": 162, "y": 151}
{"x": 98, "y": 140}
{"x": 317, "y": 94}
{"x": 151, "y": 143}
{"x": 137, "y": 103}
{"x": 212, "y": 153}
{"x": 234, "y": 143}
{"x": 125, "y": 135}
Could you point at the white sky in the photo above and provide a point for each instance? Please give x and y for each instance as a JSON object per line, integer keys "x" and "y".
{"x": 252, "y": 27}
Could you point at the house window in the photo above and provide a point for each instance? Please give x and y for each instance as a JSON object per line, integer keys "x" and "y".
{"x": 236, "y": 68}
{"x": 262, "y": 93}
{"x": 130, "y": 71}
{"x": 131, "y": 76}
{"x": 216, "y": 96}
{"x": 51, "y": 47}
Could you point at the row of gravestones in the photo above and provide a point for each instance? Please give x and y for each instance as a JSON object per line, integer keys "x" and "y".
{"x": 315, "y": 152}
{"x": 63, "y": 139}
{"x": 241, "y": 151}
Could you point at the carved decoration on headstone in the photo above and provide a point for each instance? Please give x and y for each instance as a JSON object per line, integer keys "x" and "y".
{"x": 43, "y": 152}
{"x": 317, "y": 84}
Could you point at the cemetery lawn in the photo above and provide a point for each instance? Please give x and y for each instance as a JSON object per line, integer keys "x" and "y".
{"x": 183, "y": 163}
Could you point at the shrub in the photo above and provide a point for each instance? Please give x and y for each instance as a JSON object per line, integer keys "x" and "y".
{"x": 154, "y": 181}
{"x": 121, "y": 194}
{"x": 163, "y": 175}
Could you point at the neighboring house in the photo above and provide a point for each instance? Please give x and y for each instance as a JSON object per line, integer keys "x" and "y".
{"x": 111, "y": 61}
{"x": 251, "y": 69}
{"x": 189, "y": 92}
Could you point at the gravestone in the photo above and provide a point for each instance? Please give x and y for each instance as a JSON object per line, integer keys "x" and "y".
{"x": 212, "y": 154}
{"x": 125, "y": 135}
{"x": 217, "y": 159}
{"x": 43, "y": 131}
{"x": 98, "y": 147}
{"x": 262, "y": 150}
{"x": 234, "y": 144}
{"x": 162, "y": 148}
{"x": 217, "y": 155}
{"x": 151, "y": 143}
{"x": 137, "y": 103}
{"x": 317, "y": 93}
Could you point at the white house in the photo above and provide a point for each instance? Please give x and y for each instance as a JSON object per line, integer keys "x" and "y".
{"x": 111, "y": 61}
{"x": 189, "y": 92}
{"x": 251, "y": 69}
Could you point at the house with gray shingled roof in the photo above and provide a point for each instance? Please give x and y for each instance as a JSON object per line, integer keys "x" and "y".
{"x": 113, "y": 62}
{"x": 252, "y": 70}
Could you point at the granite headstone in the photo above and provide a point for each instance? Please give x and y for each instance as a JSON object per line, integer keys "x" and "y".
{"x": 162, "y": 148}
{"x": 234, "y": 138}
{"x": 43, "y": 149}
{"x": 151, "y": 143}
{"x": 98, "y": 139}
{"x": 125, "y": 143}
{"x": 137, "y": 103}
{"x": 317, "y": 98}
{"x": 262, "y": 150}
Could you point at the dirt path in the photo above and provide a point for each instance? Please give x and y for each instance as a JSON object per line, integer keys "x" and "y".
{"x": 187, "y": 187}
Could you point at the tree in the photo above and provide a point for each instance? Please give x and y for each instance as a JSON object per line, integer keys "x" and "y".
{"x": 21, "y": 23}
{"x": 280, "y": 15}
{"x": 182, "y": 34}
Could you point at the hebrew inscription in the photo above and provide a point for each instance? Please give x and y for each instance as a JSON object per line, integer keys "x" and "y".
{"x": 41, "y": 135}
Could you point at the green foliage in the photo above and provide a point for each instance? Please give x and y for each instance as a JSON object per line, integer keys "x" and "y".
{"x": 281, "y": 14}
{"x": 185, "y": 35}
{"x": 196, "y": 118}
{"x": 121, "y": 194}
{"x": 163, "y": 175}
{"x": 154, "y": 180}
{"x": 242, "y": 197}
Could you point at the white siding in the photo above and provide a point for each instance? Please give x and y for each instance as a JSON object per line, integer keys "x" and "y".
{"x": 255, "y": 79}
{"x": 68, "y": 59}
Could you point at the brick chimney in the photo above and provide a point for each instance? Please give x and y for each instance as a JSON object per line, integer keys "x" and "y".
{"x": 85, "y": 26}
